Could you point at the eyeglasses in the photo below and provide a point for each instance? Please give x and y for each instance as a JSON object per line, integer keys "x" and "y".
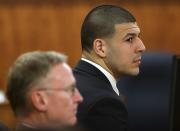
{"x": 71, "y": 89}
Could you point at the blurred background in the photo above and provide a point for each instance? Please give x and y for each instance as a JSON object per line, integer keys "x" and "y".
{"x": 27, "y": 25}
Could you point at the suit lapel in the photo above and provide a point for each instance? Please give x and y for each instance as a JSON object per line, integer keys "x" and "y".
{"x": 90, "y": 69}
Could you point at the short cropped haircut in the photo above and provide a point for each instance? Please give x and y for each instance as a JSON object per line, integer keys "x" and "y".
{"x": 100, "y": 23}
{"x": 27, "y": 71}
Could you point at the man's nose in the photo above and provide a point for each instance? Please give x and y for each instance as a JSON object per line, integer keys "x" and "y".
{"x": 78, "y": 97}
{"x": 141, "y": 46}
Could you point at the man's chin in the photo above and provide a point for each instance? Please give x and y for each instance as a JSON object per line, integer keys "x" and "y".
{"x": 134, "y": 72}
{"x": 73, "y": 121}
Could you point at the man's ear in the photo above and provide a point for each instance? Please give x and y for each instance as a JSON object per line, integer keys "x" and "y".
{"x": 99, "y": 47}
{"x": 39, "y": 100}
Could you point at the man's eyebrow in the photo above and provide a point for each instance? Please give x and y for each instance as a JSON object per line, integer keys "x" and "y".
{"x": 131, "y": 34}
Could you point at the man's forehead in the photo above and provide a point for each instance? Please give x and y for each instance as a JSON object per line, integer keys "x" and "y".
{"x": 125, "y": 27}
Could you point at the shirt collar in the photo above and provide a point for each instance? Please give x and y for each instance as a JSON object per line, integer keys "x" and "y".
{"x": 106, "y": 73}
{"x": 27, "y": 125}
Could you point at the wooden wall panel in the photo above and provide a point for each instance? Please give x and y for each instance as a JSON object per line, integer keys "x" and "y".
{"x": 31, "y": 26}
{"x": 7, "y": 116}
{"x": 56, "y": 26}
{"x": 25, "y": 28}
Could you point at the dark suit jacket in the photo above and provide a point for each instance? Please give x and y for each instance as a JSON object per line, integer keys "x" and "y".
{"x": 102, "y": 109}
{"x": 21, "y": 127}
{"x": 3, "y": 127}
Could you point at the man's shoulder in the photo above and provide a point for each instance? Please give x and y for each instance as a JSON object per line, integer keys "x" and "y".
{"x": 3, "y": 127}
{"x": 98, "y": 99}
{"x": 107, "y": 111}
{"x": 108, "y": 102}
{"x": 85, "y": 70}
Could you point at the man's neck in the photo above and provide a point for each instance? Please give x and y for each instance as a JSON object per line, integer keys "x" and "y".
{"x": 33, "y": 120}
{"x": 92, "y": 57}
